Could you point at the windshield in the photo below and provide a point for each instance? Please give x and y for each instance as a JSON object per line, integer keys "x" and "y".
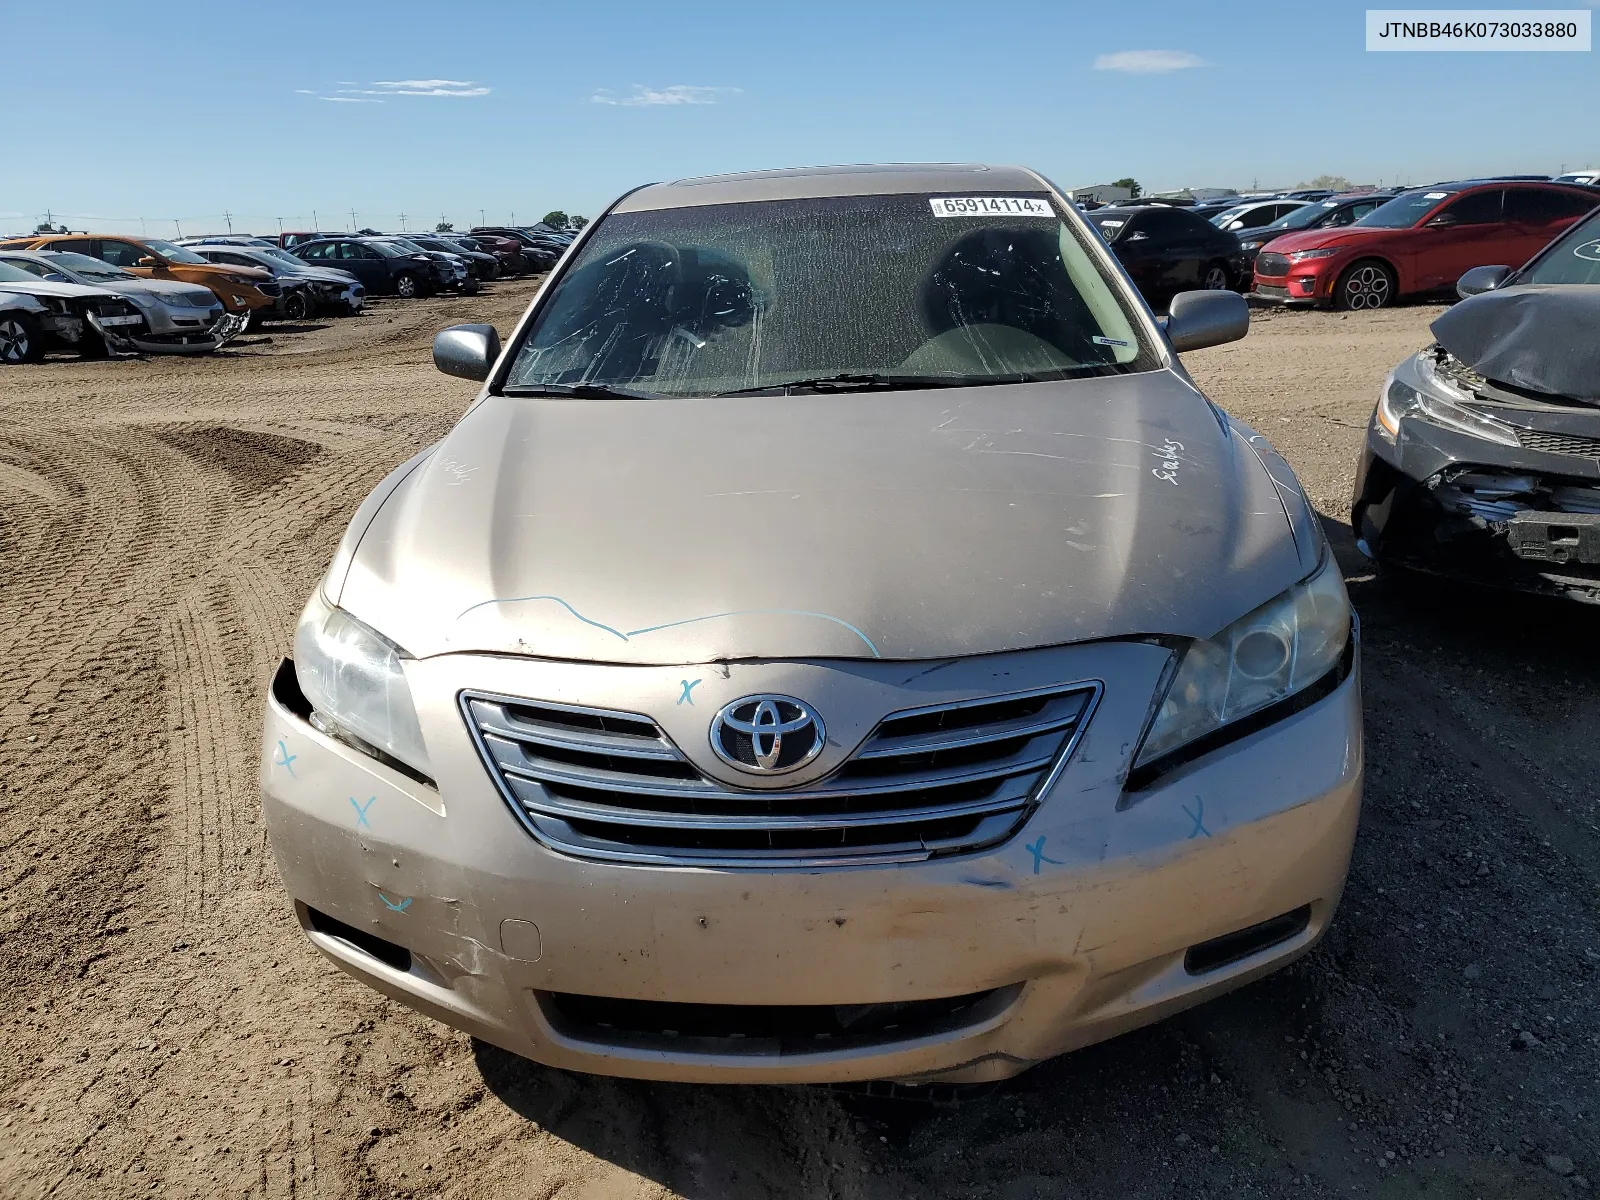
{"x": 175, "y": 254}
{"x": 405, "y": 244}
{"x": 1227, "y": 214}
{"x": 1110, "y": 222}
{"x": 1406, "y": 209}
{"x": 390, "y": 250}
{"x": 284, "y": 257}
{"x": 858, "y": 290}
{"x": 1303, "y": 218}
{"x": 89, "y": 268}
{"x": 1573, "y": 259}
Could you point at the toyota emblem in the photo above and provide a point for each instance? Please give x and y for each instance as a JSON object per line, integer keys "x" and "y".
{"x": 767, "y": 735}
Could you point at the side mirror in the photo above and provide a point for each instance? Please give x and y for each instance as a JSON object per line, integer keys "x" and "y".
{"x": 1481, "y": 279}
{"x": 1444, "y": 221}
{"x": 1196, "y": 320}
{"x": 147, "y": 261}
{"x": 467, "y": 351}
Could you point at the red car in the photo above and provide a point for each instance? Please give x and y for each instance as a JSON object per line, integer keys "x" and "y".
{"x": 1421, "y": 241}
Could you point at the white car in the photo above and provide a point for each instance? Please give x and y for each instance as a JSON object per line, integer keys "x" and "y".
{"x": 1255, "y": 214}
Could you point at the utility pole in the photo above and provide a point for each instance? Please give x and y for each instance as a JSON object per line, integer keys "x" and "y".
{"x": 280, "y": 227}
{"x": 513, "y": 220}
{"x": 403, "y": 228}
{"x": 482, "y": 220}
{"x": 314, "y": 224}
{"x": 176, "y": 226}
{"x": 228, "y": 217}
{"x": 142, "y": 232}
{"x": 352, "y": 220}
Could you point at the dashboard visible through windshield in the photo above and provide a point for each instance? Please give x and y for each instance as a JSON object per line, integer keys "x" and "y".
{"x": 904, "y": 289}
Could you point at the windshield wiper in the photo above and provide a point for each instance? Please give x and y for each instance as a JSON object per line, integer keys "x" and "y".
{"x": 850, "y": 382}
{"x": 895, "y": 383}
{"x": 583, "y": 391}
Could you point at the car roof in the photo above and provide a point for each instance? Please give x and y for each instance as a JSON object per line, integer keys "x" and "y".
{"x": 803, "y": 183}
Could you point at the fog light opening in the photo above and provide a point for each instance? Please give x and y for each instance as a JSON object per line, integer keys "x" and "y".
{"x": 1242, "y": 943}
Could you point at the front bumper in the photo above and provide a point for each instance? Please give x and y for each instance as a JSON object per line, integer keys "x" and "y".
{"x": 1074, "y": 930}
{"x": 1429, "y": 502}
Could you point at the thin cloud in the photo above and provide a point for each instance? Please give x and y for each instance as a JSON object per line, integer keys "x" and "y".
{"x": 1148, "y": 62}
{"x": 425, "y": 87}
{"x": 351, "y": 92}
{"x": 678, "y": 93}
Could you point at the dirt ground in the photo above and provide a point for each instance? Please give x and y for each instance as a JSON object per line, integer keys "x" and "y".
{"x": 167, "y": 1031}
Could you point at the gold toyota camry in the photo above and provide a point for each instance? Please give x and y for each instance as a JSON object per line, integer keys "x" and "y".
{"x": 840, "y": 642}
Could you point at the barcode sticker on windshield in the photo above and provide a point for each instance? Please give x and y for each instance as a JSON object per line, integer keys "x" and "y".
{"x": 990, "y": 206}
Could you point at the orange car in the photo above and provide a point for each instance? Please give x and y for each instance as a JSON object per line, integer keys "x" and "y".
{"x": 245, "y": 290}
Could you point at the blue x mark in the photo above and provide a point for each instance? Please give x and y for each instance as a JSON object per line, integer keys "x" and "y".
{"x": 361, "y": 810}
{"x": 688, "y": 686}
{"x": 286, "y": 758}
{"x": 1198, "y": 817}
{"x": 1037, "y": 850}
{"x": 393, "y": 907}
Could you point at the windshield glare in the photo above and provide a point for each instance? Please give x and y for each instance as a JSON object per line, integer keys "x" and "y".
{"x": 1406, "y": 209}
{"x": 731, "y": 297}
{"x": 1574, "y": 259}
{"x": 175, "y": 254}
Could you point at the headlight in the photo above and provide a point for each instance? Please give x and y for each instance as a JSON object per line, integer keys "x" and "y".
{"x": 353, "y": 678}
{"x": 1298, "y": 256}
{"x": 1251, "y": 245}
{"x": 1268, "y": 656}
{"x": 1400, "y": 400}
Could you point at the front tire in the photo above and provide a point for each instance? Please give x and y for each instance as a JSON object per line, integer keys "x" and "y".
{"x": 296, "y": 306}
{"x": 1215, "y": 277}
{"x": 405, "y": 286}
{"x": 1363, "y": 285}
{"x": 20, "y": 340}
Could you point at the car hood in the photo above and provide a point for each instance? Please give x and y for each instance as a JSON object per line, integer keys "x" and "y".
{"x": 328, "y": 274}
{"x": 907, "y": 525}
{"x": 249, "y": 274}
{"x": 1540, "y": 338}
{"x": 1321, "y": 239}
{"x": 163, "y": 289}
{"x": 70, "y": 291}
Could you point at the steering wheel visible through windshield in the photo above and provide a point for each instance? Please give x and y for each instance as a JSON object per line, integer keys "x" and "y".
{"x": 784, "y": 294}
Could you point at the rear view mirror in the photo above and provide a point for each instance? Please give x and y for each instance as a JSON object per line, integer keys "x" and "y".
{"x": 467, "y": 351}
{"x": 1481, "y": 279}
{"x": 1196, "y": 320}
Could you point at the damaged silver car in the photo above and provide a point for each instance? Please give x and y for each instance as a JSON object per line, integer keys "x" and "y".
{"x": 1482, "y": 458}
{"x": 178, "y": 318}
{"x": 64, "y": 316}
{"x": 839, "y": 643}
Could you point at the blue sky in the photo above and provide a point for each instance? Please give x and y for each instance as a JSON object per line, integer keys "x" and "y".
{"x": 134, "y": 112}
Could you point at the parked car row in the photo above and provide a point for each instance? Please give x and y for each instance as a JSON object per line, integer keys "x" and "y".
{"x": 1355, "y": 250}
{"x": 95, "y": 294}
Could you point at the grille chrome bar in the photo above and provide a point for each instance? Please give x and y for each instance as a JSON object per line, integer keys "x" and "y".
{"x": 941, "y": 779}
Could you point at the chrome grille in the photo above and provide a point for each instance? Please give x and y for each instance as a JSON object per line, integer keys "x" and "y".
{"x": 1268, "y": 263}
{"x": 1559, "y": 443}
{"x": 927, "y": 782}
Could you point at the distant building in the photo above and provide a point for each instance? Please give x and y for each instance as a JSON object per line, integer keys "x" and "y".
{"x": 1101, "y": 193}
{"x": 1198, "y": 194}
